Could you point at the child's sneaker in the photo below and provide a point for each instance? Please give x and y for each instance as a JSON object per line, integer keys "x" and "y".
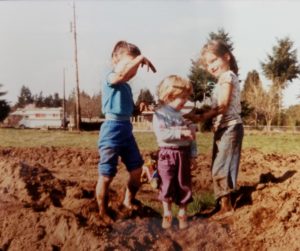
{"x": 167, "y": 222}
{"x": 182, "y": 220}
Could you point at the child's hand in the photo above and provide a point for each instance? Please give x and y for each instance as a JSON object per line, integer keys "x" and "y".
{"x": 192, "y": 117}
{"x": 194, "y": 129}
{"x": 147, "y": 62}
{"x": 195, "y": 117}
{"x": 187, "y": 134}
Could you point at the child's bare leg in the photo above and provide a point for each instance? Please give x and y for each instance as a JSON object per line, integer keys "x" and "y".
{"x": 226, "y": 205}
{"x": 147, "y": 171}
{"x": 144, "y": 173}
{"x": 167, "y": 208}
{"x": 167, "y": 218}
{"x": 182, "y": 217}
{"x": 182, "y": 210}
{"x": 133, "y": 186}
{"x": 102, "y": 194}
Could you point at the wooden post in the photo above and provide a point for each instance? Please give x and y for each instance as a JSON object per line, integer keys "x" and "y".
{"x": 78, "y": 109}
{"x": 64, "y": 100}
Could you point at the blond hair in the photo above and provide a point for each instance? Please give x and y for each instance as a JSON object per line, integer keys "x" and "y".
{"x": 173, "y": 86}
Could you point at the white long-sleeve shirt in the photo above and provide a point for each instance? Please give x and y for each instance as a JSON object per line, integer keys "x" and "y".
{"x": 167, "y": 126}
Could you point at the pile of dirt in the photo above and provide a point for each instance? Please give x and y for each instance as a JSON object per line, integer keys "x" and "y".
{"x": 47, "y": 202}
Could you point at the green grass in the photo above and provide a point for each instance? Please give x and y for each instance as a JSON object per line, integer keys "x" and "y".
{"x": 281, "y": 142}
{"x": 285, "y": 143}
{"x": 200, "y": 202}
{"x": 36, "y": 138}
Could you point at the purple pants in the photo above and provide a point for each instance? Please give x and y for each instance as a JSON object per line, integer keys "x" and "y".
{"x": 174, "y": 169}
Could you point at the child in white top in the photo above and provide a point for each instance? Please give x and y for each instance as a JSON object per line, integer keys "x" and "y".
{"x": 218, "y": 60}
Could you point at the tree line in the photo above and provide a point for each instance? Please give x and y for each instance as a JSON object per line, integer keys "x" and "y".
{"x": 90, "y": 104}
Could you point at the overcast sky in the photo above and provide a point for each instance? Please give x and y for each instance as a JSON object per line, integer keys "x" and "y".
{"x": 36, "y": 43}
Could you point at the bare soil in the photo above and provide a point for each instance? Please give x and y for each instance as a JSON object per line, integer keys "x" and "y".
{"x": 47, "y": 202}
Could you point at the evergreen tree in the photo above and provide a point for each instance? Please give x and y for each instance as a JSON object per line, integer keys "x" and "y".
{"x": 145, "y": 99}
{"x": 48, "y": 101}
{"x": 281, "y": 67}
{"x": 4, "y": 107}
{"x": 221, "y": 34}
{"x": 25, "y": 97}
{"x": 145, "y": 96}
{"x": 39, "y": 100}
{"x": 57, "y": 101}
{"x": 202, "y": 81}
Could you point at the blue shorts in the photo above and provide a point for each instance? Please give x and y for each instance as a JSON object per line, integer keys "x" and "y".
{"x": 116, "y": 139}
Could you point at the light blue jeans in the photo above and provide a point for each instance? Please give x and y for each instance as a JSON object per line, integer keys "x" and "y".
{"x": 226, "y": 158}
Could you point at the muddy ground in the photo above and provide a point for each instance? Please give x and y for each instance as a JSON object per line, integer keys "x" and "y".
{"x": 47, "y": 202}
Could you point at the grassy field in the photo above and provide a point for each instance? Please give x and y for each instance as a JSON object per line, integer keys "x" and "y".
{"x": 280, "y": 142}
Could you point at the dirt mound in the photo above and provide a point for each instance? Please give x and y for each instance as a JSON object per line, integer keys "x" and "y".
{"x": 47, "y": 202}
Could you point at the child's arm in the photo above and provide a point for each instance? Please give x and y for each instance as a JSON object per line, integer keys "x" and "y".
{"x": 194, "y": 129}
{"x": 223, "y": 101}
{"x": 169, "y": 134}
{"x": 127, "y": 68}
{"x": 224, "y": 97}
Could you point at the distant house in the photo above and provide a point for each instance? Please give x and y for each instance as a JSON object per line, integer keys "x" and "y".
{"x": 33, "y": 117}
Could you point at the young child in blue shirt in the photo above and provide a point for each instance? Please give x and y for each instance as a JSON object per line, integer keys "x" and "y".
{"x": 177, "y": 148}
{"x": 116, "y": 138}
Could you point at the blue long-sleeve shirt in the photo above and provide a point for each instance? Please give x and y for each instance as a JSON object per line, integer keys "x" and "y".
{"x": 167, "y": 126}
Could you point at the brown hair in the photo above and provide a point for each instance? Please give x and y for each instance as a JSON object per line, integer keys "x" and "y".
{"x": 219, "y": 48}
{"x": 131, "y": 49}
{"x": 172, "y": 87}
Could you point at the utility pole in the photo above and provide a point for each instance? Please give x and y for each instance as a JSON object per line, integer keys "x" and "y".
{"x": 78, "y": 109}
{"x": 64, "y": 99}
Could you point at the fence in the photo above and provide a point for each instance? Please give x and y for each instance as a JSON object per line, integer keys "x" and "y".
{"x": 142, "y": 123}
{"x": 279, "y": 129}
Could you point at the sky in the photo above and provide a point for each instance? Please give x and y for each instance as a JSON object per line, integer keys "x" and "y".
{"x": 37, "y": 44}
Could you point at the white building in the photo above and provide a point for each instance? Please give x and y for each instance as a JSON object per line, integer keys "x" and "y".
{"x": 32, "y": 117}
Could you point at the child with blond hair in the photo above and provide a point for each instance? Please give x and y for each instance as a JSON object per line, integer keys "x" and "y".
{"x": 174, "y": 138}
